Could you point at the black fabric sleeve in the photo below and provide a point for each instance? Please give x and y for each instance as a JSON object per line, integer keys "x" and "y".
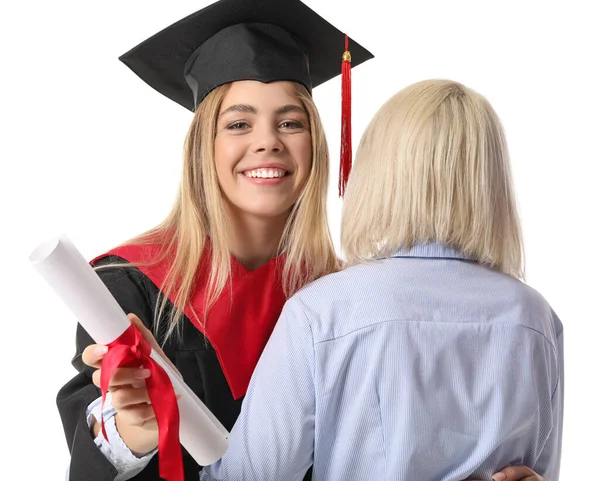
{"x": 88, "y": 463}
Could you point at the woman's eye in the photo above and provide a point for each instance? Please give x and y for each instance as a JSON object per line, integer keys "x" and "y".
{"x": 290, "y": 124}
{"x": 237, "y": 126}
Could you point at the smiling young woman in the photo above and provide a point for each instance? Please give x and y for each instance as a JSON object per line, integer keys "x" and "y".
{"x": 247, "y": 230}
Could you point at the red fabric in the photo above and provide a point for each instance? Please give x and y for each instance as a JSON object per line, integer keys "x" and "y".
{"x": 132, "y": 350}
{"x": 346, "y": 141}
{"x": 241, "y": 321}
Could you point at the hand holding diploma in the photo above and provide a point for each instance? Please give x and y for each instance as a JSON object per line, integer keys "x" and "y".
{"x": 135, "y": 418}
{"x": 76, "y": 283}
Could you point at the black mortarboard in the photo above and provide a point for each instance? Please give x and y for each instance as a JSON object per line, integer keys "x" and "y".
{"x": 265, "y": 40}
{"x": 231, "y": 40}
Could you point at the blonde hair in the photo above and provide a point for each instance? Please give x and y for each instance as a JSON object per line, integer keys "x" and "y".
{"x": 200, "y": 212}
{"x": 433, "y": 166}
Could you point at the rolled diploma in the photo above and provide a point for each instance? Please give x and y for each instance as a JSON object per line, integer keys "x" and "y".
{"x": 74, "y": 280}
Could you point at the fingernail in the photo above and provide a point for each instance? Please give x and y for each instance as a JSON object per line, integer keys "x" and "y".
{"x": 499, "y": 477}
{"x": 138, "y": 384}
{"x": 101, "y": 350}
{"x": 142, "y": 373}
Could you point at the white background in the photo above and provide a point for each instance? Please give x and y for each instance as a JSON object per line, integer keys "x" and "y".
{"x": 89, "y": 150}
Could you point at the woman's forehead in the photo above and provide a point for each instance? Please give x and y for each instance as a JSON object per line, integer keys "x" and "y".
{"x": 262, "y": 96}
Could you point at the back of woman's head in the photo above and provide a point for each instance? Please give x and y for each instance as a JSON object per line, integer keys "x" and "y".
{"x": 433, "y": 166}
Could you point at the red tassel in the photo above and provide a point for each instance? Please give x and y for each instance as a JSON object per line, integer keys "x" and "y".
{"x": 346, "y": 141}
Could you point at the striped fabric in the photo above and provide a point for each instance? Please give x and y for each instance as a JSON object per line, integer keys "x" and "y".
{"x": 424, "y": 366}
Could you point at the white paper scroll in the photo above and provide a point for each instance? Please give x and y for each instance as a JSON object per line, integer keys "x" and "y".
{"x": 76, "y": 283}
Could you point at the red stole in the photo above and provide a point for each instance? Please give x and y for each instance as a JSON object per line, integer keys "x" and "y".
{"x": 242, "y": 319}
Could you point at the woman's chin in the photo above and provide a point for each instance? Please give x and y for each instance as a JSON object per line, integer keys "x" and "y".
{"x": 267, "y": 212}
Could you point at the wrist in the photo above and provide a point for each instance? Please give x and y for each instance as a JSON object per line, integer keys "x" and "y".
{"x": 96, "y": 428}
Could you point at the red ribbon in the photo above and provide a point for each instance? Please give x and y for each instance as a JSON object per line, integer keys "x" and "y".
{"x": 132, "y": 350}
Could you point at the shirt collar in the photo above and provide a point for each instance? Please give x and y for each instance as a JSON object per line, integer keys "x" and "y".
{"x": 433, "y": 251}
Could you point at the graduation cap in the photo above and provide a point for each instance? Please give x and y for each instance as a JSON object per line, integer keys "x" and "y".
{"x": 264, "y": 40}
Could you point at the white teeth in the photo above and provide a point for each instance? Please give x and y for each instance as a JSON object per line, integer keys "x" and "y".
{"x": 265, "y": 173}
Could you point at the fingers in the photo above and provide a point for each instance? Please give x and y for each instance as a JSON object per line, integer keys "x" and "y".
{"x": 93, "y": 354}
{"x": 137, "y": 415}
{"x": 128, "y": 397}
{"x": 517, "y": 473}
{"x": 124, "y": 376}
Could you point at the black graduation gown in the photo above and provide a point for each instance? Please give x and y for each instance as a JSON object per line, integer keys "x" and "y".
{"x": 192, "y": 355}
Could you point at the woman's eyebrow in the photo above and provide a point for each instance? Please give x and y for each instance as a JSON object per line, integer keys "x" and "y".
{"x": 245, "y": 108}
{"x": 239, "y": 108}
{"x": 290, "y": 108}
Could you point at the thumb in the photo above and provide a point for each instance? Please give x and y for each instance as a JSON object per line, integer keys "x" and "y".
{"x": 149, "y": 337}
{"x": 147, "y": 333}
{"x": 514, "y": 473}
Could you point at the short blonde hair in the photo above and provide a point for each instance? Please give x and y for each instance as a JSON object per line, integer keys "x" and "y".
{"x": 433, "y": 166}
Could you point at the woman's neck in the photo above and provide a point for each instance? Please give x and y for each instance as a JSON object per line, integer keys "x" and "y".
{"x": 255, "y": 240}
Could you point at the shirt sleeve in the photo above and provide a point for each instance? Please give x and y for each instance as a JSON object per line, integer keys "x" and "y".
{"x": 548, "y": 463}
{"x": 93, "y": 412}
{"x": 115, "y": 450}
{"x": 273, "y": 437}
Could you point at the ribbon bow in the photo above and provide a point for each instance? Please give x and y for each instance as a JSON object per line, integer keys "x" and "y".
{"x": 130, "y": 348}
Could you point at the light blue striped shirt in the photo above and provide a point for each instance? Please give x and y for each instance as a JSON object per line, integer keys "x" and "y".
{"x": 422, "y": 367}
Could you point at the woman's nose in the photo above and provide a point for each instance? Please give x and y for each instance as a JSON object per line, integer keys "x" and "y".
{"x": 267, "y": 140}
